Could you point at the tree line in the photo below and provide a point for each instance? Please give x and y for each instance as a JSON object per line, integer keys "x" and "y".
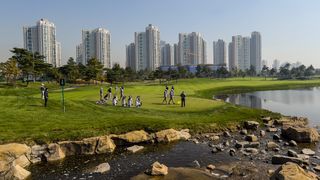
{"x": 27, "y": 66}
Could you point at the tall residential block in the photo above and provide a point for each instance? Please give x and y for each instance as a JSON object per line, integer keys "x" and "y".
{"x": 95, "y": 44}
{"x": 167, "y": 54}
{"x": 192, "y": 49}
{"x": 131, "y": 56}
{"x": 219, "y": 52}
{"x": 255, "y": 50}
{"x": 41, "y": 38}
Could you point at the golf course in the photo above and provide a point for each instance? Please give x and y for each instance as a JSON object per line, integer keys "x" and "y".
{"x": 23, "y": 118}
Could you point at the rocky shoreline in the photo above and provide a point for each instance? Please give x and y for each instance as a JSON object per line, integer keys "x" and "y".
{"x": 286, "y": 141}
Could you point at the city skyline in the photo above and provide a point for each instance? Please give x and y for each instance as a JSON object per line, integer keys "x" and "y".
{"x": 287, "y": 36}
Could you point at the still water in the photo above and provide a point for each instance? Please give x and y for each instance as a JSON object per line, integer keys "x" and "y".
{"x": 297, "y": 102}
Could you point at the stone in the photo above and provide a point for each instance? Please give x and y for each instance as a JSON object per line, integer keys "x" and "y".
{"x": 308, "y": 151}
{"x": 252, "y": 125}
{"x": 55, "y": 152}
{"x": 232, "y": 152}
{"x": 195, "y": 141}
{"x": 267, "y": 121}
{"x": 300, "y": 134}
{"x": 270, "y": 172}
{"x": 86, "y": 146}
{"x": 105, "y": 145}
{"x": 270, "y": 129}
{"x": 102, "y": 168}
{"x": 251, "y": 150}
{"x": 196, "y": 164}
{"x": 252, "y": 138}
{"x": 241, "y": 144}
{"x": 317, "y": 168}
{"x": 214, "y": 138}
{"x": 38, "y": 152}
{"x": 292, "y": 171}
{"x": 303, "y": 156}
{"x": 244, "y": 132}
{"x": 262, "y": 133}
{"x": 226, "y": 134}
{"x": 276, "y": 137}
{"x": 184, "y": 134}
{"x": 226, "y": 143}
{"x": 20, "y": 153}
{"x": 272, "y": 145}
{"x": 214, "y": 150}
{"x": 211, "y": 167}
{"x": 280, "y": 159}
{"x": 169, "y": 135}
{"x": 159, "y": 169}
{"x": 292, "y": 153}
{"x": 135, "y": 148}
{"x": 293, "y": 143}
{"x": 22, "y": 161}
{"x": 138, "y": 136}
{"x": 19, "y": 173}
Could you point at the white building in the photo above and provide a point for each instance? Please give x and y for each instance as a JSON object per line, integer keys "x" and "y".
{"x": 95, "y": 44}
{"x": 176, "y": 54}
{"x": 276, "y": 64}
{"x": 236, "y": 52}
{"x": 192, "y": 49}
{"x": 42, "y": 39}
{"x": 255, "y": 50}
{"x": 131, "y": 56}
{"x": 244, "y": 61}
{"x": 167, "y": 54}
{"x": 219, "y": 52}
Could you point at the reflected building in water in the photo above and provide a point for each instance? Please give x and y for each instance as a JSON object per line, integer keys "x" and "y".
{"x": 245, "y": 100}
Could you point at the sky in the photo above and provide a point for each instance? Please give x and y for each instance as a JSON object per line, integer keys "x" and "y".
{"x": 290, "y": 29}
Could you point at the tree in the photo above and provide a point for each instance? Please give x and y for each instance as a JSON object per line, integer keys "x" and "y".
{"x": 222, "y": 72}
{"x": 273, "y": 72}
{"x": 182, "y": 71}
{"x": 10, "y": 70}
{"x": 116, "y": 74}
{"x": 94, "y": 70}
{"x": 285, "y": 71}
{"x": 71, "y": 70}
{"x": 265, "y": 71}
{"x": 310, "y": 71}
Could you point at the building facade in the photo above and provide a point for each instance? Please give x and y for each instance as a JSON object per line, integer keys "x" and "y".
{"x": 219, "y": 52}
{"x": 167, "y": 54}
{"x": 131, "y": 56}
{"x": 192, "y": 49}
{"x": 95, "y": 44}
{"x": 41, "y": 38}
{"x": 255, "y": 51}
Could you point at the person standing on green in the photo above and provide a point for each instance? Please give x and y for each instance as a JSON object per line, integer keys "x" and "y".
{"x": 171, "y": 95}
{"x": 183, "y": 99}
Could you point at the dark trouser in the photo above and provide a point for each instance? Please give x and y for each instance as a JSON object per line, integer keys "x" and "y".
{"x": 171, "y": 99}
{"x": 45, "y": 102}
{"x": 183, "y": 102}
{"x": 165, "y": 100}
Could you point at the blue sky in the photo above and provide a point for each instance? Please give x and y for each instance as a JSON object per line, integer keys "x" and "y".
{"x": 290, "y": 28}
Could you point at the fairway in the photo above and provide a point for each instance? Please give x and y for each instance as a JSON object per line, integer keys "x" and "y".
{"x": 23, "y": 117}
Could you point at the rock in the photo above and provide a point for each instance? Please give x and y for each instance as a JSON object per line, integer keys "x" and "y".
{"x": 55, "y": 152}
{"x": 14, "y": 152}
{"x": 267, "y": 120}
{"x": 276, "y": 149}
{"x": 251, "y": 138}
{"x": 292, "y": 143}
{"x": 102, "y": 168}
{"x": 211, "y": 167}
{"x": 195, "y": 141}
{"x": 170, "y": 135}
{"x": 105, "y": 145}
{"x": 252, "y": 145}
{"x": 86, "y": 146}
{"x": 38, "y": 152}
{"x": 214, "y": 150}
{"x": 307, "y": 151}
{"x": 286, "y": 144}
{"x": 292, "y": 171}
{"x": 303, "y": 156}
{"x": 232, "y": 152}
{"x": 135, "y": 148}
{"x": 276, "y": 137}
{"x": 280, "y": 159}
{"x": 226, "y": 143}
{"x": 214, "y": 138}
{"x": 196, "y": 164}
{"x": 272, "y": 145}
{"x": 241, "y": 144}
{"x": 244, "y": 132}
{"x": 220, "y": 147}
{"x": 300, "y": 134}
{"x": 22, "y": 161}
{"x": 138, "y": 136}
{"x": 252, "y": 125}
{"x": 262, "y": 133}
{"x": 292, "y": 153}
{"x": 251, "y": 150}
{"x": 19, "y": 173}
{"x": 158, "y": 169}
{"x": 226, "y": 134}
{"x": 270, "y": 172}
{"x": 317, "y": 168}
{"x": 270, "y": 129}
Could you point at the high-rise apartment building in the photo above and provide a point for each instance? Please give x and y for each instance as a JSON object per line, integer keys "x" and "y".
{"x": 176, "y": 54}
{"x": 131, "y": 56}
{"x": 192, "y": 49}
{"x": 95, "y": 44}
{"x": 236, "y": 52}
{"x": 219, "y": 52}
{"x": 244, "y": 62}
{"x": 255, "y": 50}
{"x": 42, "y": 39}
{"x": 167, "y": 54}
{"x": 147, "y": 49}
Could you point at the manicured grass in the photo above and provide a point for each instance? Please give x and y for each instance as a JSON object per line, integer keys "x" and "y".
{"x": 23, "y": 117}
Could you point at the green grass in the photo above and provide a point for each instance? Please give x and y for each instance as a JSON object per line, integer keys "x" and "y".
{"x": 23, "y": 117}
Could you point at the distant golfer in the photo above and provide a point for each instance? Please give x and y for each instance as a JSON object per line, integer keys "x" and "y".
{"x": 165, "y": 95}
{"x": 108, "y": 95}
{"x": 42, "y": 89}
{"x": 171, "y": 95}
{"x": 129, "y": 101}
{"x": 101, "y": 93}
{"x": 46, "y": 97}
{"x": 121, "y": 91}
{"x": 183, "y": 99}
{"x": 123, "y": 101}
{"x": 138, "y": 102}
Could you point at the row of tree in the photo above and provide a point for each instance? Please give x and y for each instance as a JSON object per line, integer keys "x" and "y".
{"x": 29, "y": 66}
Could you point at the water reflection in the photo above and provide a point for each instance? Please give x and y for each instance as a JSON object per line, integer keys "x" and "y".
{"x": 298, "y": 102}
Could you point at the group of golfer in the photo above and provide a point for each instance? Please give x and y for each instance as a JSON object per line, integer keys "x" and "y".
{"x": 171, "y": 96}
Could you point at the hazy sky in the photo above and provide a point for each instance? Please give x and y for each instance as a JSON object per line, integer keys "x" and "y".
{"x": 290, "y": 29}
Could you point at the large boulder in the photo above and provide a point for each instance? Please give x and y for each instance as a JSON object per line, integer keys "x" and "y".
{"x": 169, "y": 135}
{"x": 105, "y": 145}
{"x": 38, "y": 152}
{"x": 19, "y": 173}
{"x": 86, "y": 146}
{"x": 252, "y": 125}
{"x": 292, "y": 171}
{"x": 300, "y": 134}
{"x": 134, "y": 137}
{"x": 14, "y": 154}
{"x": 158, "y": 169}
{"x": 55, "y": 152}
